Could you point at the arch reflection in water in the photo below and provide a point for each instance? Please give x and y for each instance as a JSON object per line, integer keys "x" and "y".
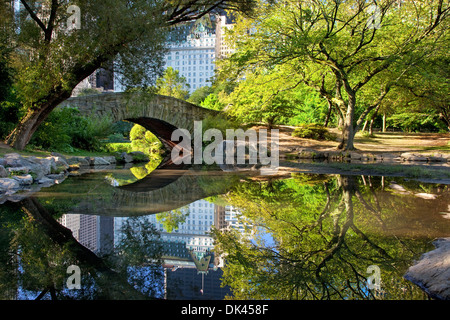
{"x": 297, "y": 237}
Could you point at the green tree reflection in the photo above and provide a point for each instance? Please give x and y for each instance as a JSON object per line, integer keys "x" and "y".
{"x": 314, "y": 237}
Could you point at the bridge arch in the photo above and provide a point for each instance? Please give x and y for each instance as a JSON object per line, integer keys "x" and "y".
{"x": 159, "y": 114}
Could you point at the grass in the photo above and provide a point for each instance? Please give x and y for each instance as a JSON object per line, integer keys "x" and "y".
{"x": 44, "y": 153}
{"x": 415, "y": 172}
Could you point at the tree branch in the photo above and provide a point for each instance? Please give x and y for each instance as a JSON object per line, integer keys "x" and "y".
{"x": 34, "y": 16}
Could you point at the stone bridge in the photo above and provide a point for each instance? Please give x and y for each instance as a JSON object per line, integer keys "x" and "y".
{"x": 159, "y": 114}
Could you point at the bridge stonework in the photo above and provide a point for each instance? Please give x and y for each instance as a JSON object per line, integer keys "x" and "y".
{"x": 159, "y": 114}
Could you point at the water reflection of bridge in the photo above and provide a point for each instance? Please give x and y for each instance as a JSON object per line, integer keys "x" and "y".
{"x": 162, "y": 190}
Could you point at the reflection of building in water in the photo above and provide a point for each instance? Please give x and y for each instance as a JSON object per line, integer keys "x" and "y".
{"x": 192, "y": 271}
{"x": 188, "y": 284}
{"x": 94, "y": 232}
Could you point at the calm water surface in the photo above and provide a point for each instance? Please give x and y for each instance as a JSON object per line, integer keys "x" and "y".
{"x": 205, "y": 234}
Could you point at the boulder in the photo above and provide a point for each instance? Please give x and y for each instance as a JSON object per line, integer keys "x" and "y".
{"x": 17, "y": 170}
{"x": 431, "y": 272}
{"x": 24, "y": 180}
{"x": 45, "y": 180}
{"x": 110, "y": 159}
{"x": 125, "y": 157}
{"x": 97, "y": 161}
{"x": 7, "y": 184}
{"x": 407, "y": 156}
{"x": 307, "y": 153}
{"x": 3, "y": 172}
{"x": 79, "y": 161}
{"x": 61, "y": 163}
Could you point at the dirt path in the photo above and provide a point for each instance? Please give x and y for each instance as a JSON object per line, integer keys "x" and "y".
{"x": 393, "y": 142}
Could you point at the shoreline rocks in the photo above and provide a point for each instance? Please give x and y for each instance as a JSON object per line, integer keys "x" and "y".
{"x": 21, "y": 176}
{"x": 431, "y": 273}
{"x": 361, "y": 157}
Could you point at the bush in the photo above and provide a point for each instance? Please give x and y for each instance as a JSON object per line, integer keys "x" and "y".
{"x": 9, "y": 117}
{"x": 144, "y": 141}
{"x": 66, "y": 130}
{"x": 313, "y": 131}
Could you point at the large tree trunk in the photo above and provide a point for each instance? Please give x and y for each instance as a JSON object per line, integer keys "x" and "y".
{"x": 348, "y": 130}
{"x": 22, "y": 134}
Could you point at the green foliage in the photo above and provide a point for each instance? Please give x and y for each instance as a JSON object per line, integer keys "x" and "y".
{"x": 172, "y": 84}
{"x": 199, "y": 95}
{"x": 9, "y": 117}
{"x": 213, "y": 102}
{"x": 416, "y": 122}
{"x": 313, "y": 131}
{"x": 328, "y": 46}
{"x": 66, "y": 130}
{"x": 144, "y": 141}
{"x": 172, "y": 219}
{"x": 312, "y": 108}
{"x": 117, "y": 147}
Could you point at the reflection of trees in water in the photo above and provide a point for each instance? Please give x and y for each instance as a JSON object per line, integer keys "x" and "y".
{"x": 37, "y": 250}
{"x": 319, "y": 236}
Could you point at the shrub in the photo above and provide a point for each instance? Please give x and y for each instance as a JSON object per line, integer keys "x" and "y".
{"x": 66, "y": 130}
{"x": 144, "y": 141}
{"x": 313, "y": 131}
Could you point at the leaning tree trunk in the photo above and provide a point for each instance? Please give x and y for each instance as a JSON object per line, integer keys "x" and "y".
{"x": 348, "y": 130}
{"x": 22, "y": 134}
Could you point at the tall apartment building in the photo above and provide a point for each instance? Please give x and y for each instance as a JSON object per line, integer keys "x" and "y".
{"x": 192, "y": 51}
{"x": 94, "y": 232}
{"x": 223, "y": 22}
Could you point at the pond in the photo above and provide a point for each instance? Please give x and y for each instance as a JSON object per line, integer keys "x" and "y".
{"x": 202, "y": 233}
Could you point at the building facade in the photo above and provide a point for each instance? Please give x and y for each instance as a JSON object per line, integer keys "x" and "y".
{"x": 192, "y": 49}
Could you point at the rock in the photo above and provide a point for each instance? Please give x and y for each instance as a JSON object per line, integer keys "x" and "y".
{"x": 431, "y": 272}
{"x": 80, "y": 161}
{"x": 3, "y": 172}
{"x": 139, "y": 156}
{"x": 45, "y": 180}
{"x": 438, "y": 157}
{"x": 125, "y": 157}
{"x": 307, "y": 153}
{"x": 16, "y": 170}
{"x": 58, "y": 155}
{"x": 73, "y": 167}
{"x": 390, "y": 157}
{"x": 397, "y": 187}
{"x": 406, "y": 156}
{"x": 24, "y": 180}
{"x": 355, "y": 156}
{"x": 61, "y": 163}
{"x": 56, "y": 176}
{"x": 46, "y": 166}
{"x": 8, "y": 184}
{"x": 426, "y": 196}
{"x": 2, "y": 162}
{"x": 97, "y": 161}
{"x": 110, "y": 159}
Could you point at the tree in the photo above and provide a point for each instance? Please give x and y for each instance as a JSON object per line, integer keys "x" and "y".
{"x": 258, "y": 98}
{"x": 343, "y": 49}
{"x": 172, "y": 84}
{"x": 315, "y": 236}
{"x": 199, "y": 95}
{"x": 51, "y": 59}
